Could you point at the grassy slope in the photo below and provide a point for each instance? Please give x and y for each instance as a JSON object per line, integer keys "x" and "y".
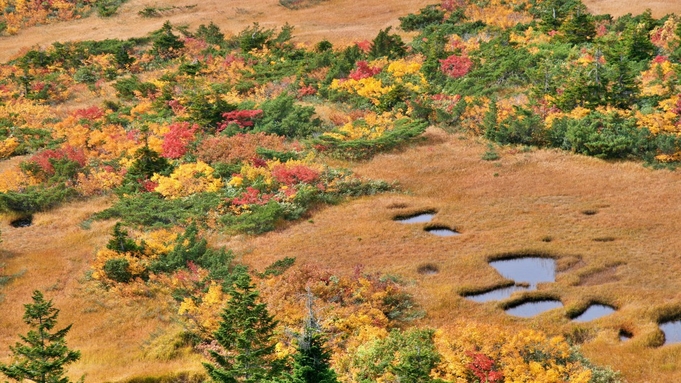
{"x": 535, "y": 195}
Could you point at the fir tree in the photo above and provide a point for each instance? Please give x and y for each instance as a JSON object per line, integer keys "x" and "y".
{"x": 387, "y": 45}
{"x": 311, "y": 362}
{"x": 245, "y": 335}
{"x": 166, "y": 44}
{"x": 43, "y": 354}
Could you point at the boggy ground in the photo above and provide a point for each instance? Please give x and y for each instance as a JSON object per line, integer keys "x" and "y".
{"x": 613, "y": 228}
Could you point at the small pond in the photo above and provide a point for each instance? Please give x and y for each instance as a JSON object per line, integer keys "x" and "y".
{"x": 24, "y": 221}
{"x": 428, "y": 269}
{"x": 417, "y": 218}
{"x": 530, "y": 309}
{"x": 532, "y": 270}
{"x": 496, "y": 294}
{"x": 441, "y": 231}
{"x": 594, "y": 312}
{"x": 625, "y": 335}
{"x": 672, "y": 331}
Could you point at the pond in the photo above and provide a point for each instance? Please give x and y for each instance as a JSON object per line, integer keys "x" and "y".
{"x": 416, "y": 218}
{"x": 532, "y": 270}
{"x": 672, "y": 331}
{"x": 594, "y": 312}
{"x": 441, "y": 231}
{"x": 625, "y": 335}
{"x": 530, "y": 309}
{"x": 24, "y": 221}
{"x": 496, "y": 294}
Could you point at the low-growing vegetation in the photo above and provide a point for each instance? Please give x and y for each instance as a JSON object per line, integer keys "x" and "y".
{"x": 198, "y": 137}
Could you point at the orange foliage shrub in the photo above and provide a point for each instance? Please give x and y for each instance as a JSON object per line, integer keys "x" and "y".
{"x": 237, "y": 148}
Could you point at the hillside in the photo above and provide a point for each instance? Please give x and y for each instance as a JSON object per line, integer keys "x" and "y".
{"x": 339, "y": 21}
{"x": 520, "y": 135}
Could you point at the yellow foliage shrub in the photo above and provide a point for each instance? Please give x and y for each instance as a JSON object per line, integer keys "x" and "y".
{"x": 186, "y": 180}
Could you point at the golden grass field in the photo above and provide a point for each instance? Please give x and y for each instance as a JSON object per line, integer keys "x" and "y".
{"x": 627, "y": 254}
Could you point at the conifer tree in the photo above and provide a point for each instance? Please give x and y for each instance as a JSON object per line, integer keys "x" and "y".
{"x": 42, "y": 355}
{"x": 166, "y": 44}
{"x": 246, "y": 337}
{"x": 311, "y": 362}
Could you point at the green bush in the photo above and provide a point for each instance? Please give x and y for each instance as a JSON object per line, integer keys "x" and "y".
{"x": 166, "y": 45}
{"x": 118, "y": 270}
{"x": 523, "y": 128}
{"x": 108, "y": 8}
{"x": 403, "y": 131}
{"x": 152, "y": 210}
{"x": 606, "y": 136}
{"x": 283, "y": 117}
{"x": 34, "y": 199}
{"x": 427, "y": 16}
{"x": 261, "y": 219}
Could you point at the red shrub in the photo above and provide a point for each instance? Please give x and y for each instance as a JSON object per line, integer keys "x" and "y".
{"x": 456, "y": 66}
{"x": 238, "y": 147}
{"x": 175, "y": 142}
{"x": 252, "y": 196}
{"x": 482, "y": 366}
{"x": 243, "y": 118}
{"x": 363, "y": 71}
{"x": 92, "y": 113}
{"x": 43, "y": 158}
{"x": 294, "y": 175}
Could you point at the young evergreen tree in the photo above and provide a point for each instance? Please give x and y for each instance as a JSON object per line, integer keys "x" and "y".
{"x": 245, "y": 335}
{"x": 387, "y": 45}
{"x": 42, "y": 355}
{"x": 166, "y": 44}
{"x": 311, "y": 362}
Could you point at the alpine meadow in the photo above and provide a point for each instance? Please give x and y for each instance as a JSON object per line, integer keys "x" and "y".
{"x": 333, "y": 191}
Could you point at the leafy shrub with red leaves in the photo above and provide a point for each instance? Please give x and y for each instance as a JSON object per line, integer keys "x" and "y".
{"x": 456, "y": 66}
{"x": 242, "y": 118}
{"x": 178, "y": 138}
{"x": 46, "y": 159}
{"x": 363, "y": 70}
{"x": 292, "y": 175}
{"x": 237, "y": 148}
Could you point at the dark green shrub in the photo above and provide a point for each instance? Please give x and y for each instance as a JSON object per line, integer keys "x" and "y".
{"x": 606, "y": 136}
{"x": 523, "y": 128}
{"x": 35, "y": 199}
{"x": 427, "y": 16}
{"x": 261, "y": 219}
{"x": 211, "y": 34}
{"x": 152, "y": 210}
{"x": 403, "y": 131}
{"x": 254, "y": 37}
{"x": 188, "y": 248}
{"x": 108, "y": 8}
{"x": 387, "y": 45}
{"x": 118, "y": 270}
{"x": 283, "y": 117}
{"x": 166, "y": 45}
